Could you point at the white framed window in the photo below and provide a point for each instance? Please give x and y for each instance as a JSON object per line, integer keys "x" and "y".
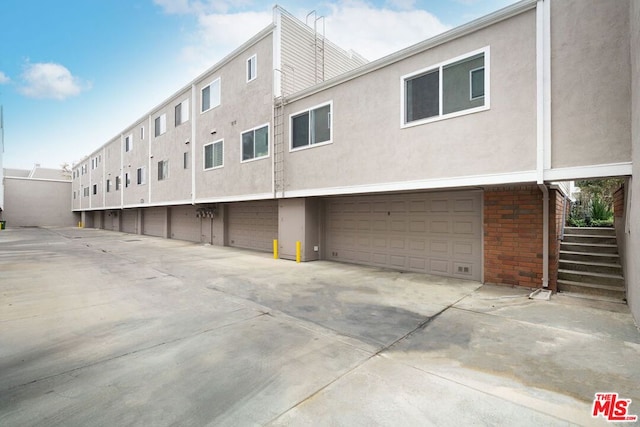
{"x": 160, "y": 124}
{"x": 185, "y": 160}
{"x": 252, "y": 68}
{"x": 255, "y": 143}
{"x": 95, "y": 189}
{"x": 210, "y": 96}
{"x": 182, "y": 112}
{"x": 163, "y": 170}
{"x": 74, "y": 195}
{"x": 141, "y": 132}
{"x": 311, "y": 127}
{"x": 214, "y": 155}
{"x": 108, "y": 186}
{"x": 117, "y": 183}
{"x": 127, "y": 180}
{"x": 450, "y": 89}
{"x": 85, "y": 191}
{"x": 141, "y": 176}
{"x": 128, "y": 143}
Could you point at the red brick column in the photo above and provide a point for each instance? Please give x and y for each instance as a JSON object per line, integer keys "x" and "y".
{"x": 556, "y": 205}
{"x": 618, "y": 203}
{"x": 513, "y": 235}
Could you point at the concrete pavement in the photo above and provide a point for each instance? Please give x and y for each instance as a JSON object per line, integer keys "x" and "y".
{"x": 104, "y": 328}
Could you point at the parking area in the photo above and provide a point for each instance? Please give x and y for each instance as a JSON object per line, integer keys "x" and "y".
{"x": 106, "y": 328}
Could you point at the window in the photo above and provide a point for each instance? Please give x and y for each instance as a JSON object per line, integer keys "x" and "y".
{"x": 95, "y": 189}
{"x": 117, "y": 183}
{"x": 127, "y": 180}
{"x": 128, "y": 143}
{"x": 141, "y": 132}
{"x": 182, "y": 112}
{"x": 160, "y": 124}
{"x": 163, "y": 170}
{"x": 213, "y": 155}
{"x": 446, "y": 90}
{"x": 141, "y": 175}
{"x": 108, "y": 186}
{"x": 85, "y": 191}
{"x": 185, "y": 160}
{"x": 311, "y": 127}
{"x": 252, "y": 68}
{"x": 74, "y": 195}
{"x": 255, "y": 143}
{"x": 211, "y": 95}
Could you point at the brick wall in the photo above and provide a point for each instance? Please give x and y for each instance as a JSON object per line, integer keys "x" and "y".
{"x": 513, "y": 235}
{"x": 618, "y": 202}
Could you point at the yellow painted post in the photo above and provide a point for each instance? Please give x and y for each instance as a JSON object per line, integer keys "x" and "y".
{"x": 298, "y": 251}
{"x": 275, "y": 248}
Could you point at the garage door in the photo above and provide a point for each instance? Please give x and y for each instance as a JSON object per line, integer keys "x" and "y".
{"x": 112, "y": 220}
{"x": 253, "y": 225}
{"x": 130, "y": 220}
{"x": 153, "y": 220}
{"x": 185, "y": 225}
{"x": 435, "y": 233}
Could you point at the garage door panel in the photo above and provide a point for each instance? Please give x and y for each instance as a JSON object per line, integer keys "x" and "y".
{"x": 437, "y": 233}
{"x": 153, "y": 220}
{"x": 254, "y": 225}
{"x": 185, "y": 224}
{"x": 130, "y": 221}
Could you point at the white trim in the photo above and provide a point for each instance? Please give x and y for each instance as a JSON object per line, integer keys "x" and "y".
{"x": 308, "y": 110}
{"x": 24, "y": 178}
{"x": 268, "y": 126}
{"x": 213, "y": 151}
{"x": 192, "y": 143}
{"x": 236, "y": 198}
{"x": 546, "y": 73}
{"x": 277, "y": 51}
{"x": 592, "y": 171}
{"x": 425, "y": 184}
{"x": 485, "y": 51}
{"x": 540, "y": 104}
{"x": 253, "y": 59}
{"x": 121, "y": 171}
{"x": 211, "y": 106}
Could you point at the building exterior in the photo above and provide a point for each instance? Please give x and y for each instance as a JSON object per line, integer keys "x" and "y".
{"x": 441, "y": 158}
{"x": 27, "y": 191}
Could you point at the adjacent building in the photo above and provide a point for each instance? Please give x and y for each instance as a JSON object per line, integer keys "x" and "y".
{"x": 447, "y": 157}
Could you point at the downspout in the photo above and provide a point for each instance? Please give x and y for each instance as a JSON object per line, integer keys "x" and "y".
{"x": 543, "y": 121}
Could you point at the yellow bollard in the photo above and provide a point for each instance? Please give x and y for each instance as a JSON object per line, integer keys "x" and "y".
{"x": 298, "y": 251}
{"x": 275, "y": 248}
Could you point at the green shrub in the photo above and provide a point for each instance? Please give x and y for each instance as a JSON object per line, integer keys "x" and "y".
{"x": 577, "y": 222}
{"x": 599, "y": 210}
{"x": 602, "y": 222}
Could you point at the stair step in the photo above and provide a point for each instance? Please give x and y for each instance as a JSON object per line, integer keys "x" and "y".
{"x": 592, "y": 289}
{"x": 590, "y": 256}
{"x": 590, "y": 266}
{"x": 589, "y": 277}
{"x": 589, "y": 247}
{"x": 600, "y": 231}
{"x": 589, "y": 238}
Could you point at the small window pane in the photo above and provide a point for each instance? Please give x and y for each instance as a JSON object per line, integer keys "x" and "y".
{"x": 178, "y": 112}
{"x": 206, "y": 98}
{"x": 185, "y": 160}
{"x": 321, "y": 119}
{"x": 477, "y": 83}
{"x": 208, "y": 156}
{"x": 217, "y": 154}
{"x": 456, "y": 81}
{"x": 422, "y": 96}
{"x": 262, "y": 142}
{"x": 157, "y": 126}
{"x": 247, "y": 146}
{"x": 300, "y": 131}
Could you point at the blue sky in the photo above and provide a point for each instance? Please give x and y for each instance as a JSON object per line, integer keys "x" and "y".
{"x": 74, "y": 73}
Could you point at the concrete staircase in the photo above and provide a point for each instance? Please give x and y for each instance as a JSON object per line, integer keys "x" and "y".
{"x": 590, "y": 264}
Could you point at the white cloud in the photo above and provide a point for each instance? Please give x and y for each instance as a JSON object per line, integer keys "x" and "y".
{"x": 374, "y": 32}
{"x": 4, "y": 79}
{"x": 50, "y": 80}
{"x": 200, "y": 7}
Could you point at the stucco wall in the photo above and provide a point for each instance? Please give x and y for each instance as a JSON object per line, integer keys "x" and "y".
{"x": 590, "y": 82}
{"x": 30, "y": 203}
{"x": 633, "y": 240}
{"x": 369, "y": 146}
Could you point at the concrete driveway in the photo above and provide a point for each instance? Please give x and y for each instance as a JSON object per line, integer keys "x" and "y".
{"x": 104, "y": 328}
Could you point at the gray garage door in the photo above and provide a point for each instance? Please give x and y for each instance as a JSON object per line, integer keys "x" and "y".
{"x": 435, "y": 233}
{"x": 130, "y": 220}
{"x": 185, "y": 225}
{"x": 253, "y": 225}
{"x": 153, "y": 221}
{"x": 112, "y": 220}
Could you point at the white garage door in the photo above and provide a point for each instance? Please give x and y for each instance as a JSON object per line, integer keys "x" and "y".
{"x": 130, "y": 220}
{"x": 185, "y": 225}
{"x": 435, "y": 233}
{"x": 153, "y": 221}
{"x": 253, "y": 225}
